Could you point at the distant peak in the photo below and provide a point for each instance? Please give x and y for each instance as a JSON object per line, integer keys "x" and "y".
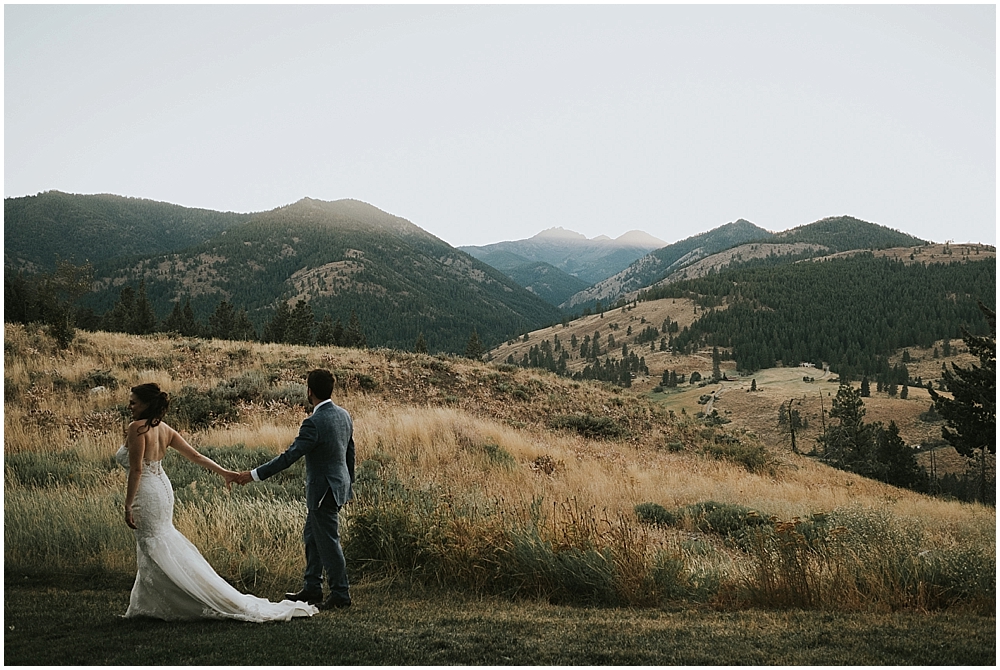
{"x": 559, "y": 233}
{"x": 601, "y": 238}
{"x": 639, "y": 238}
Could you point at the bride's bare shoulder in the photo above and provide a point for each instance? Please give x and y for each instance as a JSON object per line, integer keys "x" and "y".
{"x": 139, "y": 427}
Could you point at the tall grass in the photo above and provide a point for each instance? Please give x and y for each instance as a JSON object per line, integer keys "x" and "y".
{"x": 66, "y": 530}
{"x": 489, "y": 493}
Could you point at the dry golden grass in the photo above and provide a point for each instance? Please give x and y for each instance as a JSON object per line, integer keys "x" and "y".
{"x": 445, "y": 425}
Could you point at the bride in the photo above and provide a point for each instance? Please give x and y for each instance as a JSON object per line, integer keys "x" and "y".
{"x": 174, "y": 581}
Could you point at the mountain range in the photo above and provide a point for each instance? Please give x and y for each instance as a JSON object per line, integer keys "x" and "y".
{"x": 744, "y": 241}
{"x": 401, "y": 282}
{"x": 557, "y": 263}
{"x": 41, "y": 229}
{"x": 340, "y": 257}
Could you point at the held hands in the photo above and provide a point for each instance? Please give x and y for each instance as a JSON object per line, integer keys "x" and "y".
{"x": 240, "y": 478}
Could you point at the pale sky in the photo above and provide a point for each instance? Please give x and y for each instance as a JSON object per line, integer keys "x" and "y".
{"x": 489, "y": 123}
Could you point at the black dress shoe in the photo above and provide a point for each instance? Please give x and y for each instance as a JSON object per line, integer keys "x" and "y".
{"x": 334, "y": 601}
{"x": 306, "y": 596}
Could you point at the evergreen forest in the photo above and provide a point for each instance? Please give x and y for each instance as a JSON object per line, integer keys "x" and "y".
{"x": 850, "y": 313}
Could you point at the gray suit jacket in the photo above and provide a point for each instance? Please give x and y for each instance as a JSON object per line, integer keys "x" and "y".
{"x": 326, "y": 439}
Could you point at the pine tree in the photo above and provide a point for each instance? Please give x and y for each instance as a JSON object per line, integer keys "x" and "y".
{"x": 846, "y": 444}
{"x": 353, "y": 337}
{"x": 896, "y": 463}
{"x": 421, "y": 345}
{"x": 866, "y": 389}
{"x": 222, "y": 322}
{"x": 904, "y": 392}
{"x": 474, "y": 348}
{"x": 971, "y": 413}
{"x": 181, "y": 320}
{"x": 338, "y": 333}
{"x": 325, "y": 336}
{"x": 172, "y": 324}
{"x": 716, "y": 370}
{"x": 120, "y": 317}
{"x": 243, "y": 327}
{"x": 274, "y": 330}
{"x": 189, "y": 325}
{"x": 301, "y": 323}
{"x": 144, "y": 320}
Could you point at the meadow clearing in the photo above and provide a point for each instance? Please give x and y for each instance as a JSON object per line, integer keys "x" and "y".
{"x": 481, "y": 480}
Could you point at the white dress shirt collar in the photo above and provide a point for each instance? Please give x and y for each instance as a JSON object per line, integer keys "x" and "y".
{"x": 320, "y": 404}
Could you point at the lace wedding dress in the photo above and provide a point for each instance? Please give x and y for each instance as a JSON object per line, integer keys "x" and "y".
{"x": 174, "y": 581}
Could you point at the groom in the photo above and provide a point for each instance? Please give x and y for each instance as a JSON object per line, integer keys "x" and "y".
{"x": 326, "y": 439}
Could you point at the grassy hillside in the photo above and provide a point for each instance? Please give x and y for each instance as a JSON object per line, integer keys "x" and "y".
{"x": 756, "y": 412}
{"x": 339, "y": 256}
{"x": 42, "y": 228}
{"x": 475, "y": 478}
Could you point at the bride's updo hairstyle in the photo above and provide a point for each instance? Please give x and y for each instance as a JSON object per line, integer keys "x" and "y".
{"x": 158, "y": 402}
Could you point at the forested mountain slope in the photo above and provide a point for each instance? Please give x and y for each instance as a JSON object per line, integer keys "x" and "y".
{"x": 339, "y": 256}
{"x": 661, "y": 262}
{"x": 42, "y": 228}
{"x": 546, "y": 281}
{"x": 849, "y": 312}
{"x": 826, "y": 236}
{"x": 842, "y": 233}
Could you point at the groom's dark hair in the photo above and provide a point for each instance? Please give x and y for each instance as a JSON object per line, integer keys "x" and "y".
{"x": 321, "y": 383}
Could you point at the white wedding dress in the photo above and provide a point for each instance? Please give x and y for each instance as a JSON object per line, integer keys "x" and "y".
{"x": 174, "y": 581}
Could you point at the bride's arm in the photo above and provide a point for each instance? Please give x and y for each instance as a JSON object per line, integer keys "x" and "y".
{"x": 136, "y": 449}
{"x": 192, "y": 454}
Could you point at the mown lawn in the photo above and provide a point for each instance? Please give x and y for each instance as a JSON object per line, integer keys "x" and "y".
{"x": 47, "y": 625}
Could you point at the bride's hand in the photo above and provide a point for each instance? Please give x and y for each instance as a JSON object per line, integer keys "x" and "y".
{"x": 128, "y": 518}
{"x": 231, "y": 478}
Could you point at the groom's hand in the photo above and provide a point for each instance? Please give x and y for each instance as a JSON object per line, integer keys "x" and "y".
{"x": 244, "y": 478}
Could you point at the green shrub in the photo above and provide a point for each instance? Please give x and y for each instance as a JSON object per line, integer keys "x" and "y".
{"x": 732, "y": 521}
{"x": 495, "y": 454}
{"x": 352, "y": 380}
{"x": 753, "y": 457}
{"x": 251, "y": 385}
{"x": 96, "y": 378}
{"x": 588, "y": 425}
{"x": 655, "y": 514}
{"x": 289, "y": 394}
{"x": 192, "y": 408}
{"x": 723, "y": 518}
{"x": 674, "y": 581}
